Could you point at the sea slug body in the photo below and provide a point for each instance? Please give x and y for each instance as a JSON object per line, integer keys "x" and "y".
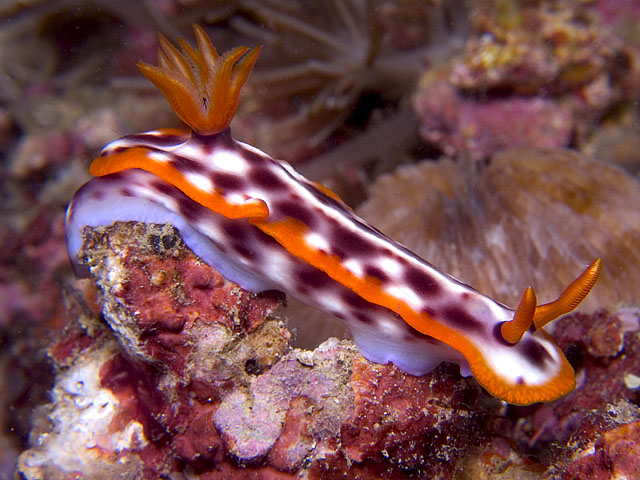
{"x": 264, "y": 226}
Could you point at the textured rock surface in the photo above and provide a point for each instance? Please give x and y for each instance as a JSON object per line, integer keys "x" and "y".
{"x": 584, "y": 435}
{"x": 189, "y": 376}
{"x": 591, "y": 433}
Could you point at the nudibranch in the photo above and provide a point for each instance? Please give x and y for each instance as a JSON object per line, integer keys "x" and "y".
{"x": 264, "y": 226}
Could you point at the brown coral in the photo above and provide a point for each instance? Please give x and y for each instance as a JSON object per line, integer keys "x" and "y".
{"x": 529, "y": 217}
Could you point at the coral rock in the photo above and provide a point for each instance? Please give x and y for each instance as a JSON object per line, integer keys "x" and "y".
{"x": 582, "y": 432}
{"x": 166, "y": 305}
{"x": 195, "y": 376}
{"x": 399, "y": 415}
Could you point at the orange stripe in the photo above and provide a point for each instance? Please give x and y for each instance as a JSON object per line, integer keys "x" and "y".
{"x": 329, "y": 193}
{"x": 290, "y": 234}
{"x": 173, "y": 131}
{"x": 137, "y": 157}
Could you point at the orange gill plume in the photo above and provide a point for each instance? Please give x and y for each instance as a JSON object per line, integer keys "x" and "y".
{"x": 201, "y": 86}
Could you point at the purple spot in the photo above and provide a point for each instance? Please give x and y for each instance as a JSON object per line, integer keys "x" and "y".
{"x": 354, "y": 300}
{"x": 265, "y": 239}
{"x": 114, "y": 176}
{"x": 296, "y": 210}
{"x": 534, "y": 352}
{"x": 208, "y": 143}
{"x": 376, "y": 272}
{"x": 265, "y": 178}
{"x": 338, "y": 252}
{"x": 461, "y": 319}
{"x": 189, "y": 209}
{"x": 348, "y": 243}
{"x": 412, "y": 336}
{"x": 116, "y": 150}
{"x": 421, "y": 282}
{"x": 184, "y": 164}
{"x": 157, "y": 140}
{"x": 314, "y": 278}
{"x": 226, "y": 181}
{"x": 363, "y": 317}
{"x": 244, "y": 250}
{"x": 236, "y": 231}
{"x": 167, "y": 189}
{"x": 429, "y": 311}
{"x": 125, "y": 192}
{"x": 497, "y": 335}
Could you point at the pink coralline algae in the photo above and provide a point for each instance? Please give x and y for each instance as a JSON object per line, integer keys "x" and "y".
{"x": 38, "y": 249}
{"x": 542, "y": 74}
{"x": 604, "y": 349}
{"x": 189, "y": 376}
{"x": 593, "y": 432}
{"x": 616, "y": 455}
{"x": 193, "y": 376}
{"x": 484, "y": 127}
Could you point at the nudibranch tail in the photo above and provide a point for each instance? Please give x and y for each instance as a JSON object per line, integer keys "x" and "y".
{"x": 513, "y": 330}
{"x": 201, "y": 86}
{"x": 570, "y": 297}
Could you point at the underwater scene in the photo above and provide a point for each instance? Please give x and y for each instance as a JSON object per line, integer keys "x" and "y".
{"x": 330, "y": 239}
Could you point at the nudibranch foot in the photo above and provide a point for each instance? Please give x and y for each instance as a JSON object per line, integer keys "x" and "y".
{"x": 265, "y": 226}
{"x": 414, "y": 353}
